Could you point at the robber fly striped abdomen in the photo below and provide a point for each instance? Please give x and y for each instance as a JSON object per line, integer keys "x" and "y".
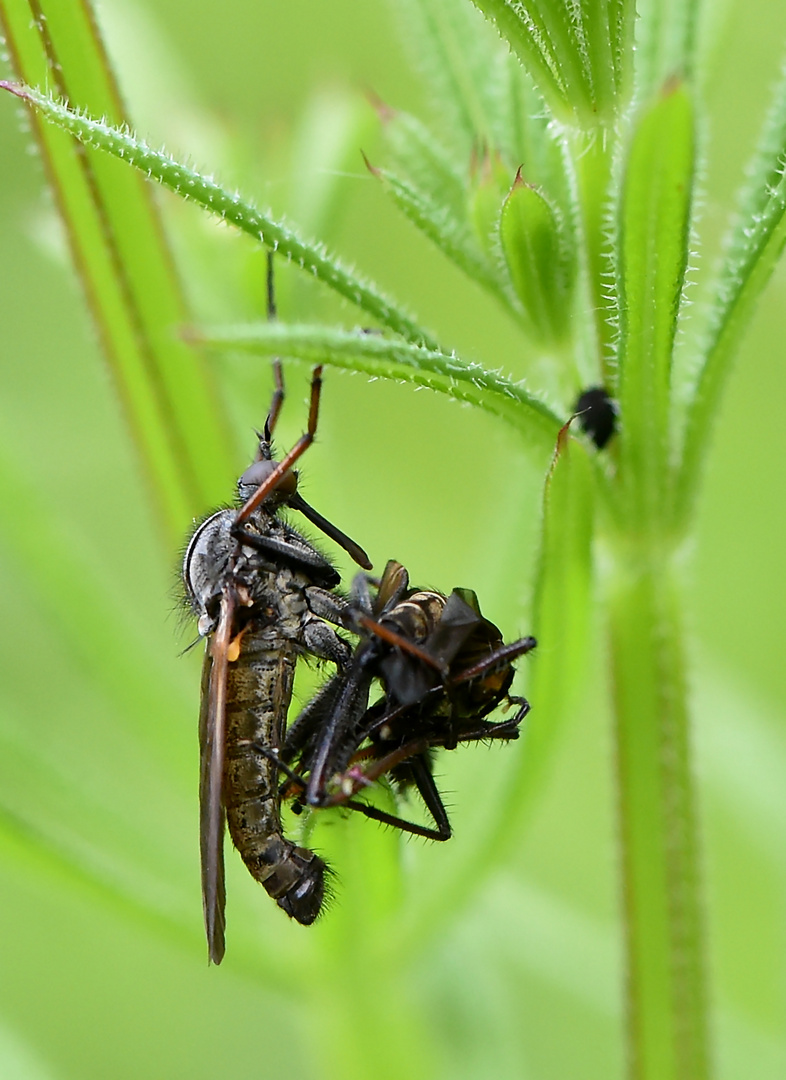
{"x": 259, "y": 689}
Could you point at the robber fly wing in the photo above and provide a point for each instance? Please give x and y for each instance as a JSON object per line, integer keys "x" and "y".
{"x": 212, "y": 816}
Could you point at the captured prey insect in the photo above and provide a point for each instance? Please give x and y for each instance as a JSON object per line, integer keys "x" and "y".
{"x": 442, "y": 666}
{"x": 262, "y": 594}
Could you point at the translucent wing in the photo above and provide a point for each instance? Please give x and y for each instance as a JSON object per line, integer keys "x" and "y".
{"x": 212, "y": 816}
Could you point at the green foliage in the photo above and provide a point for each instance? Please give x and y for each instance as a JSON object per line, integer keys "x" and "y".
{"x": 563, "y": 182}
{"x": 393, "y": 359}
{"x": 653, "y": 254}
{"x": 541, "y": 268}
{"x": 126, "y": 268}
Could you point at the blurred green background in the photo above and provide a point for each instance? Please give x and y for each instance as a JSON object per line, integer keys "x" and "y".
{"x": 102, "y": 969}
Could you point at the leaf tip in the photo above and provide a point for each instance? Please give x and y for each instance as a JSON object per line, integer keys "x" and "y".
{"x": 191, "y": 335}
{"x": 371, "y": 168}
{"x": 518, "y": 180}
{"x": 13, "y": 88}
{"x": 384, "y": 112}
{"x": 673, "y": 84}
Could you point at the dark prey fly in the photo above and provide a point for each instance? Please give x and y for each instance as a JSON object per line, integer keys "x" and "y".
{"x": 262, "y": 594}
{"x": 442, "y": 667}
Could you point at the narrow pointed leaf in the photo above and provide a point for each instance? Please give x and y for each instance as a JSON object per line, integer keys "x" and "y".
{"x": 577, "y": 54}
{"x": 122, "y": 257}
{"x": 655, "y": 215}
{"x": 665, "y": 44}
{"x": 537, "y": 254}
{"x": 527, "y": 37}
{"x": 459, "y": 56}
{"x": 416, "y": 152}
{"x": 562, "y": 625}
{"x": 390, "y": 359}
{"x": 754, "y": 247}
{"x": 556, "y": 671}
{"x": 450, "y": 234}
{"x": 203, "y": 190}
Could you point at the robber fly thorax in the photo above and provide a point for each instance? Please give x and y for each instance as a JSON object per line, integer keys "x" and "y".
{"x": 262, "y": 595}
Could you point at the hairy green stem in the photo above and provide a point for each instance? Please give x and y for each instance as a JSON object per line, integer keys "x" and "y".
{"x": 588, "y": 157}
{"x": 666, "y": 1017}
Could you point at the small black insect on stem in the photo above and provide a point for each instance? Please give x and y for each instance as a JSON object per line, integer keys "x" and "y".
{"x": 597, "y": 414}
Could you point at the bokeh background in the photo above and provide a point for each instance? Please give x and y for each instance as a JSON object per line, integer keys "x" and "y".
{"x": 98, "y": 852}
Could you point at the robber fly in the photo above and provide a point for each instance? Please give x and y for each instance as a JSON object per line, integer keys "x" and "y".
{"x": 442, "y": 666}
{"x": 261, "y": 593}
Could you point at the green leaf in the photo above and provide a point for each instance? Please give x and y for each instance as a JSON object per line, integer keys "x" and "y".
{"x": 562, "y": 607}
{"x": 754, "y": 247}
{"x": 125, "y": 265}
{"x": 654, "y": 230}
{"x": 418, "y": 153}
{"x": 591, "y": 193}
{"x": 459, "y": 56}
{"x": 576, "y": 54}
{"x": 203, "y": 190}
{"x": 665, "y": 43}
{"x": 529, "y": 41}
{"x": 539, "y": 260}
{"x": 390, "y": 359}
{"x": 490, "y": 189}
{"x": 556, "y": 674}
{"x": 451, "y": 235}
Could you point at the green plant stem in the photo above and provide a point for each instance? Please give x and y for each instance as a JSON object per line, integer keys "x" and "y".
{"x": 589, "y": 160}
{"x": 666, "y": 1013}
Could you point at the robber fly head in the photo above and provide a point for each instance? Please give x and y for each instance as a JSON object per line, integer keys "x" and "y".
{"x": 257, "y": 473}
{"x": 262, "y": 466}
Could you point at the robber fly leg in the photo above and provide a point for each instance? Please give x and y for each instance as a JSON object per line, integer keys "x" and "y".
{"x": 272, "y": 755}
{"x": 321, "y": 640}
{"x": 276, "y": 475}
{"x": 350, "y": 785}
{"x": 327, "y": 605}
{"x": 429, "y": 793}
{"x": 524, "y": 708}
{"x": 499, "y": 658}
{"x": 398, "y": 823}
